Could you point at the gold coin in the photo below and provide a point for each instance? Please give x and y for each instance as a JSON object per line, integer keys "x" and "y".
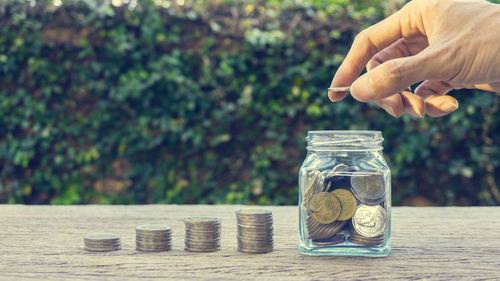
{"x": 347, "y": 203}
{"x": 311, "y": 187}
{"x": 325, "y": 207}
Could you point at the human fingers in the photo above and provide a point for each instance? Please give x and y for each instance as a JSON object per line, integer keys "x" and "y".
{"x": 432, "y": 88}
{"x": 430, "y": 91}
{"x": 413, "y": 104}
{"x": 366, "y": 44}
{"x": 403, "y": 102}
{"x": 408, "y": 102}
{"x": 392, "y": 105}
{"x": 492, "y": 87}
{"x": 403, "y": 47}
{"x": 392, "y": 77}
{"x": 437, "y": 106}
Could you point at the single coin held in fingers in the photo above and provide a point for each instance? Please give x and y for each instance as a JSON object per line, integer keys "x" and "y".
{"x": 339, "y": 89}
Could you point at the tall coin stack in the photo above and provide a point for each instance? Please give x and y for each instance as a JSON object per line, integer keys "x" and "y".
{"x": 102, "y": 242}
{"x": 202, "y": 234}
{"x": 255, "y": 231}
{"x": 153, "y": 238}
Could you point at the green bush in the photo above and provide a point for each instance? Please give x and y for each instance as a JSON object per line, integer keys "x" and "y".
{"x": 207, "y": 102}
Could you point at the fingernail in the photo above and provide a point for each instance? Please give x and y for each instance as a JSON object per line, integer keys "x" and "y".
{"x": 418, "y": 112}
{"x": 448, "y": 106}
{"x": 362, "y": 90}
{"x": 391, "y": 111}
{"x": 388, "y": 109}
{"x": 331, "y": 97}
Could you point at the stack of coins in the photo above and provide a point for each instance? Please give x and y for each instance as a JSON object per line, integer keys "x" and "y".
{"x": 328, "y": 214}
{"x": 368, "y": 225}
{"x": 202, "y": 234}
{"x": 102, "y": 242}
{"x": 255, "y": 231}
{"x": 153, "y": 238}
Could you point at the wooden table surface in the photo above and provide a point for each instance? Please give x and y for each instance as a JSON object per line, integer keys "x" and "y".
{"x": 46, "y": 242}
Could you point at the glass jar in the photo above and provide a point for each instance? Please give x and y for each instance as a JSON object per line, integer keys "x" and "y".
{"x": 344, "y": 195}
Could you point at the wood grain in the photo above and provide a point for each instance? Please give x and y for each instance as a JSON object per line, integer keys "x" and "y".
{"x": 46, "y": 242}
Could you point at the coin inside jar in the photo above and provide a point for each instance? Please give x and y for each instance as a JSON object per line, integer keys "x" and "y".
{"x": 369, "y": 221}
{"x": 325, "y": 207}
{"x": 347, "y": 202}
{"x": 371, "y": 185}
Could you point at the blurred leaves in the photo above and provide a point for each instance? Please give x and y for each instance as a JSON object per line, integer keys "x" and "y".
{"x": 207, "y": 102}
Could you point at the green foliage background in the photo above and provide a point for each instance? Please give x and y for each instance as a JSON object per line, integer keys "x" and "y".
{"x": 208, "y": 102}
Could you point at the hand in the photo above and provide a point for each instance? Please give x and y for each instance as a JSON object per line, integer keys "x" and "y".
{"x": 447, "y": 44}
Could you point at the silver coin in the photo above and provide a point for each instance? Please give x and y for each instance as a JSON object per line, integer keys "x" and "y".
{"x": 255, "y": 222}
{"x": 191, "y": 222}
{"x": 243, "y": 245}
{"x": 153, "y": 237}
{"x": 261, "y": 227}
{"x": 194, "y": 235}
{"x": 203, "y": 230}
{"x": 101, "y": 237}
{"x": 255, "y": 251}
{"x": 201, "y": 242}
{"x": 255, "y": 219}
{"x": 201, "y": 250}
{"x": 253, "y": 212}
{"x": 147, "y": 236}
{"x": 102, "y": 249}
{"x": 254, "y": 228}
{"x": 153, "y": 228}
{"x": 213, "y": 247}
{"x": 249, "y": 234}
{"x": 369, "y": 221}
{"x": 154, "y": 243}
{"x": 102, "y": 242}
{"x": 255, "y": 233}
{"x": 153, "y": 249}
{"x": 340, "y": 89}
{"x": 368, "y": 187}
{"x": 153, "y": 246}
{"x": 201, "y": 220}
{"x": 202, "y": 234}
{"x": 367, "y": 200}
{"x": 257, "y": 216}
{"x": 256, "y": 240}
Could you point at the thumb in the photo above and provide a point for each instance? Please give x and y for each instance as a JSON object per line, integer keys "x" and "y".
{"x": 390, "y": 77}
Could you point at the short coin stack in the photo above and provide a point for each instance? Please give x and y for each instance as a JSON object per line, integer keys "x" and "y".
{"x": 202, "y": 234}
{"x": 255, "y": 231}
{"x": 153, "y": 238}
{"x": 102, "y": 242}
